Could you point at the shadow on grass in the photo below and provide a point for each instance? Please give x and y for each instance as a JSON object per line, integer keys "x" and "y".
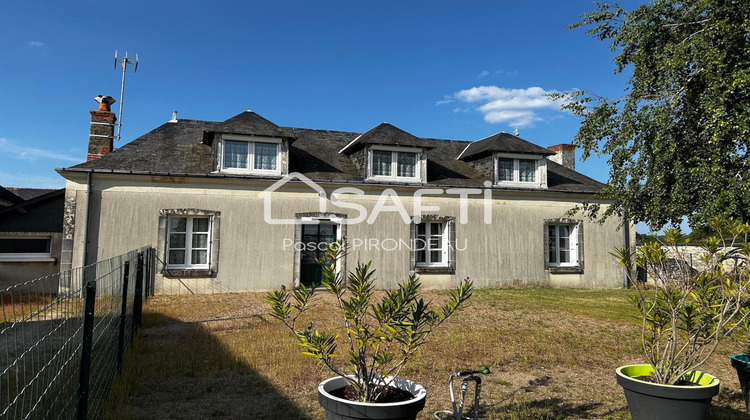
{"x": 178, "y": 369}
{"x": 547, "y": 408}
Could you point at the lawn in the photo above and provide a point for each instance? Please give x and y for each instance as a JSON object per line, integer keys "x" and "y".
{"x": 552, "y": 353}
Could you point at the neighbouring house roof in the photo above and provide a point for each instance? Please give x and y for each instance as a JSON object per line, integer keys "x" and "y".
{"x": 503, "y": 143}
{"x": 180, "y": 148}
{"x": 385, "y": 134}
{"x": 30, "y": 193}
{"x": 8, "y": 197}
{"x": 43, "y": 213}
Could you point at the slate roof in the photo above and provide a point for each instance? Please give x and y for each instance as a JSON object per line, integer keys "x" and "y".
{"x": 502, "y": 142}
{"x": 385, "y": 134}
{"x": 30, "y": 193}
{"x": 180, "y": 148}
{"x": 249, "y": 123}
{"x": 7, "y": 195}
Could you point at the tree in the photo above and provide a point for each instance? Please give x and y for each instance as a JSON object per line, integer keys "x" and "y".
{"x": 678, "y": 138}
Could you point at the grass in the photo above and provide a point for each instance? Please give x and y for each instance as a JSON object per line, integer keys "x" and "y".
{"x": 552, "y": 353}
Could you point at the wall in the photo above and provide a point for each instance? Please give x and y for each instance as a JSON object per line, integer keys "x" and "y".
{"x": 255, "y": 255}
{"x": 12, "y": 273}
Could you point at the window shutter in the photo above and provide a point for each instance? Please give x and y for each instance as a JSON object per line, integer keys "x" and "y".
{"x": 545, "y": 245}
{"x": 451, "y": 226}
{"x": 579, "y": 245}
{"x": 413, "y": 243}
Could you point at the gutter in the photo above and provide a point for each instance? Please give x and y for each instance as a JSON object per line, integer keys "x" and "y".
{"x": 319, "y": 181}
{"x": 626, "y": 245}
{"x": 86, "y": 218}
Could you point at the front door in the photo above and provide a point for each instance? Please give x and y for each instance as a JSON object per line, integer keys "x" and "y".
{"x": 315, "y": 239}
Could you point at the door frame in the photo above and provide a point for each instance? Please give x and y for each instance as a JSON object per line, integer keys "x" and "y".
{"x": 301, "y": 219}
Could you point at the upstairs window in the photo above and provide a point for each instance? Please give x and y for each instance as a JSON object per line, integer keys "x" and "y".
{"x": 188, "y": 242}
{"x": 395, "y": 163}
{"x": 251, "y": 154}
{"x": 520, "y": 171}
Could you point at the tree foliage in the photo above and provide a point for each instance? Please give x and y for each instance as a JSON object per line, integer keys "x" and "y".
{"x": 678, "y": 138}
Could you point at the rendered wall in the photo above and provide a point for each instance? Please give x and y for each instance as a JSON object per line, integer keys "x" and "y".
{"x": 255, "y": 255}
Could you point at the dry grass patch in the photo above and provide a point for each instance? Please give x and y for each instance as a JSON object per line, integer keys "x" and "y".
{"x": 552, "y": 353}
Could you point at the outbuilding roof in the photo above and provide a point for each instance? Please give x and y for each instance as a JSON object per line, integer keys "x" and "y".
{"x": 179, "y": 148}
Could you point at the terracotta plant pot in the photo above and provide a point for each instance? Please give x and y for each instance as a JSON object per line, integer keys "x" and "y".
{"x": 741, "y": 363}
{"x": 652, "y": 401}
{"x": 341, "y": 409}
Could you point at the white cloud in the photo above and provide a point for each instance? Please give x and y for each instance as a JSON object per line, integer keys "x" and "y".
{"x": 515, "y": 107}
{"x": 8, "y": 148}
{"x": 483, "y": 73}
{"x": 445, "y": 100}
{"x": 36, "y": 43}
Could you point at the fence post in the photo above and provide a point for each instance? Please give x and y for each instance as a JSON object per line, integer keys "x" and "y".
{"x": 138, "y": 298}
{"x": 88, "y": 338}
{"x": 123, "y": 315}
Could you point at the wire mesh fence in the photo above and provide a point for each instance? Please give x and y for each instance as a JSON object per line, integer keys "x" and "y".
{"x": 63, "y": 336}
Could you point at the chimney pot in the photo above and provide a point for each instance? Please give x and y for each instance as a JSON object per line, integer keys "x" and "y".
{"x": 174, "y": 117}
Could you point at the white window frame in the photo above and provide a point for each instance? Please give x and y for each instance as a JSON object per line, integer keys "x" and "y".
{"x": 28, "y": 256}
{"x": 252, "y": 140}
{"x": 189, "y": 242}
{"x": 540, "y": 170}
{"x": 445, "y": 240}
{"x": 394, "y": 163}
{"x": 572, "y": 245}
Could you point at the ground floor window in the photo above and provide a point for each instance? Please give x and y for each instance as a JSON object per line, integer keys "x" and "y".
{"x": 25, "y": 249}
{"x": 564, "y": 240}
{"x": 189, "y": 242}
{"x": 433, "y": 244}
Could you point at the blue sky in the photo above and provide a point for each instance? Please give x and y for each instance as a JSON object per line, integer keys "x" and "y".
{"x": 447, "y": 69}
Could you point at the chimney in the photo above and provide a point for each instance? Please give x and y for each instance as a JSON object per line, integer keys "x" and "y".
{"x": 565, "y": 155}
{"x": 102, "y": 132}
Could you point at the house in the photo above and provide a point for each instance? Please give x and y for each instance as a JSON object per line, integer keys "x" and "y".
{"x": 245, "y": 204}
{"x": 30, "y": 234}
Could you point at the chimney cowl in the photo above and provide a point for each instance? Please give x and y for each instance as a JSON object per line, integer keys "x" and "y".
{"x": 104, "y": 102}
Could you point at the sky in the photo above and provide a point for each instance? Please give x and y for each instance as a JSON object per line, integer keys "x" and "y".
{"x": 459, "y": 70}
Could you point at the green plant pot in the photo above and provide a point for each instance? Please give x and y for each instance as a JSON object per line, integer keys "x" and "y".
{"x": 341, "y": 409}
{"x": 652, "y": 401}
{"x": 741, "y": 363}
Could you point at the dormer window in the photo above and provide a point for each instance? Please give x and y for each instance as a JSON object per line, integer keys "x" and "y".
{"x": 521, "y": 170}
{"x": 251, "y": 154}
{"x": 395, "y": 163}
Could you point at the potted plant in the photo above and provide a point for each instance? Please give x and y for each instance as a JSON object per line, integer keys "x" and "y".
{"x": 685, "y": 314}
{"x": 382, "y": 335}
{"x": 741, "y": 363}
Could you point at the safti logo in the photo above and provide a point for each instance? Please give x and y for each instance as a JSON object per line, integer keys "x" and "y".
{"x": 389, "y": 201}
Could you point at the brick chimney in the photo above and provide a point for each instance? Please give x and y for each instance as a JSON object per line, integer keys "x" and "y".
{"x": 565, "y": 155}
{"x": 102, "y": 132}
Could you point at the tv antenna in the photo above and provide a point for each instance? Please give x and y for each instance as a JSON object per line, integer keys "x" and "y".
{"x": 124, "y": 63}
